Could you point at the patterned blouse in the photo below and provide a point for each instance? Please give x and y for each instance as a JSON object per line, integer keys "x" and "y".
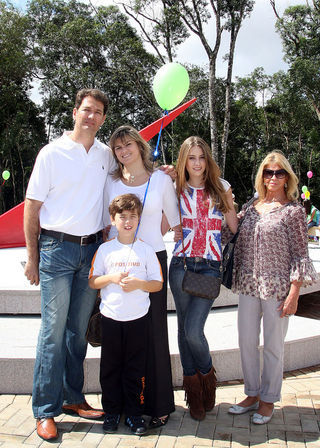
{"x": 271, "y": 252}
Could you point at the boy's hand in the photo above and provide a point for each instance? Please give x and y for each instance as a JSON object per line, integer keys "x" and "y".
{"x": 118, "y": 277}
{"x": 129, "y": 284}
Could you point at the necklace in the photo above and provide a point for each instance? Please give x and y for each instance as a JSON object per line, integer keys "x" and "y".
{"x": 132, "y": 177}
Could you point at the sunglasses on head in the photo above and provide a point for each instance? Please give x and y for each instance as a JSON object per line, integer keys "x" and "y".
{"x": 280, "y": 174}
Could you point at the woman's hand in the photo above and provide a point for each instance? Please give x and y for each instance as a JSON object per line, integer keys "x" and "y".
{"x": 177, "y": 233}
{"x": 105, "y": 233}
{"x": 290, "y": 304}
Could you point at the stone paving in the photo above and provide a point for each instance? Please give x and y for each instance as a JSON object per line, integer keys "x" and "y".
{"x": 295, "y": 423}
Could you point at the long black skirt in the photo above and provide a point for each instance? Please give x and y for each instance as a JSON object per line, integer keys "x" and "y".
{"x": 159, "y": 398}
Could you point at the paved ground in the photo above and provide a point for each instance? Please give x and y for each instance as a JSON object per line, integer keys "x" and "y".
{"x": 294, "y": 425}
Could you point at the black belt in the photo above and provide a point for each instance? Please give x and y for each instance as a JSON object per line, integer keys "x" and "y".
{"x": 82, "y": 240}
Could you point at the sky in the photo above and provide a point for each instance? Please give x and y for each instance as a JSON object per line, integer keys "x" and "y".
{"x": 258, "y": 44}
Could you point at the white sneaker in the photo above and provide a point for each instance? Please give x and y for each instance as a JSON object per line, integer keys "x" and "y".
{"x": 236, "y": 409}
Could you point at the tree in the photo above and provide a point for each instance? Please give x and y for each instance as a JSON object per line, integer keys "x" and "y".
{"x": 299, "y": 28}
{"x": 76, "y": 46}
{"x": 21, "y": 126}
{"x": 229, "y": 16}
{"x": 194, "y": 14}
{"x": 160, "y": 25}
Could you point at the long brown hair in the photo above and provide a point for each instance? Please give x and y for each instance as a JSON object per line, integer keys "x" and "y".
{"x": 122, "y": 133}
{"x": 213, "y": 187}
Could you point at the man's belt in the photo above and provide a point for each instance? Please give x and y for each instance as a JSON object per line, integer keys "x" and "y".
{"x": 82, "y": 240}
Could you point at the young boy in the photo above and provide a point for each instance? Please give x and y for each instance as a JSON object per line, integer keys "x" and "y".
{"x": 126, "y": 271}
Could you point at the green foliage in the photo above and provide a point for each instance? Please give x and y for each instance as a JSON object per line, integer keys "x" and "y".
{"x": 299, "y": 30}
{"x": 68, "y": 45}
{"x": 78, "y": 47}
{"x": 21, "y": 126}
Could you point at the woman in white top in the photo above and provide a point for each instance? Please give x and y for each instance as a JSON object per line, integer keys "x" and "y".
{"x": 204, "y": 199}
{"x": 135, "y": 174}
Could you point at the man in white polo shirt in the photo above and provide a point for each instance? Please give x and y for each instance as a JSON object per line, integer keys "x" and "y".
{"x": 64, "y": 204}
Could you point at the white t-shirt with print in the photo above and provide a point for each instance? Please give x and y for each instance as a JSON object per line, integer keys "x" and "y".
{"x": 141, "y": 262}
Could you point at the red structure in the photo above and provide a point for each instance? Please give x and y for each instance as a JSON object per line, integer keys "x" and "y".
{"x": 11, "y": 222}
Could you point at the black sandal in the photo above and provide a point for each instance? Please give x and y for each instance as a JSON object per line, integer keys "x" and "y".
{"x": 157, "y": 422}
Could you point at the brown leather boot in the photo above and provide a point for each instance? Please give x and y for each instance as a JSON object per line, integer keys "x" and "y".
{"x": 209, "y": 386}
{"x": 193, "y": 395}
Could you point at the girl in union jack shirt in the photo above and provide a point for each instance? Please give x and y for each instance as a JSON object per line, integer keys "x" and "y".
{"x": 204, "y": 199}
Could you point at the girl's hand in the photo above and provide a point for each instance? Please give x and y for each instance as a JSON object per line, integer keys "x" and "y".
{"x": 177, "y": 233}
{"x": 170, "y": 170}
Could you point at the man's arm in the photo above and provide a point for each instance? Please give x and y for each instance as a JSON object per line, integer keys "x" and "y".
{"x": 31, "y": 232}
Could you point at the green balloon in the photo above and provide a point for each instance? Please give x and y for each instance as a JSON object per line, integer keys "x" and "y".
{"x": 170, "y": 85}
{"x": 304, "y": 188}
{"x": 6, "y": 175}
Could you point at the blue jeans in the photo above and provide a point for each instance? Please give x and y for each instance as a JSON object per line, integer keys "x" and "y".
{"x": 66, "y": 305}
{"x": 192, "y": 313}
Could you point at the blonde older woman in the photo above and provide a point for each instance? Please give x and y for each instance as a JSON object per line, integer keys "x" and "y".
{"x": 271, "y": 263}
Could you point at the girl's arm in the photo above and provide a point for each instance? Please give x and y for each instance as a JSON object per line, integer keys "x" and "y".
{"x": 231, "y": 216}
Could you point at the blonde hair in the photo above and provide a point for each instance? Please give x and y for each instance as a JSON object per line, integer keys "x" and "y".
{"x": 213, "y": 187}
{"x": 278, "y": 158}
{"x": 122, "y": 133}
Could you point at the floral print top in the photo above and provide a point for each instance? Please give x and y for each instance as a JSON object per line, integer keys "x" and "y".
{"x": 271, "y": 252}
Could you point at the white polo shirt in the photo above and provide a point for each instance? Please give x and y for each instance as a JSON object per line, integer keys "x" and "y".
{"x": 70, "y": 183}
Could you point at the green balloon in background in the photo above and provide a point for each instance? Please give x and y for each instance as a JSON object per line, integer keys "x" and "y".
{"x": 170, "y": 85}
{"x": 6, "y": 175}
{"x": 304, "y": 188}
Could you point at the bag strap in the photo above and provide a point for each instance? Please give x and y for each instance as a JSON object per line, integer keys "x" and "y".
{"x": 184, "y": 254}
{"x": 235, "y": 236}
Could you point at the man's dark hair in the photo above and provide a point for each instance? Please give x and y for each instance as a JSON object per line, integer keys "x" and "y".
{"x": 125, "y": 202}
{"x": 96, "y": 94}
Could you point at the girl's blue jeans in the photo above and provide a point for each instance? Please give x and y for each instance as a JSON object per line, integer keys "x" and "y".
{"x": 192, "y": 313}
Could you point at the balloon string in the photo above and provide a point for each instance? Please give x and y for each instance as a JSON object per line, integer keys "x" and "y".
{"x": 156, "y": 152}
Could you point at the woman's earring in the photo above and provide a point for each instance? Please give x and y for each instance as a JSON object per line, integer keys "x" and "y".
{"x": 286, "y": 185}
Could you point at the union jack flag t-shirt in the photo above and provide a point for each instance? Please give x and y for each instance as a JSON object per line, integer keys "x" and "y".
{"x": 201, "y": 225}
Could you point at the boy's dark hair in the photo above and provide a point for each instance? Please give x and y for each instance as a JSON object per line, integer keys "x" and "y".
{"x": 125, "y": 202}
{"x": 96, "y": 94}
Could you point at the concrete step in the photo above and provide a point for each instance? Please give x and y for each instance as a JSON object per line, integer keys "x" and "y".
{"x": 17, "y": 296}
{"x": 18, "y": 338}
{"x": 20, "y": 323}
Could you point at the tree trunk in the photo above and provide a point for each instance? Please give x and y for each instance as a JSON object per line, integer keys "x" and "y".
{"x": 213, "y": 118}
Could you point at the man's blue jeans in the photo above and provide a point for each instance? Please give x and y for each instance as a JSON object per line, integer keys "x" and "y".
{"x": 192, "y": 313}
{"x": 66, "y": 305}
